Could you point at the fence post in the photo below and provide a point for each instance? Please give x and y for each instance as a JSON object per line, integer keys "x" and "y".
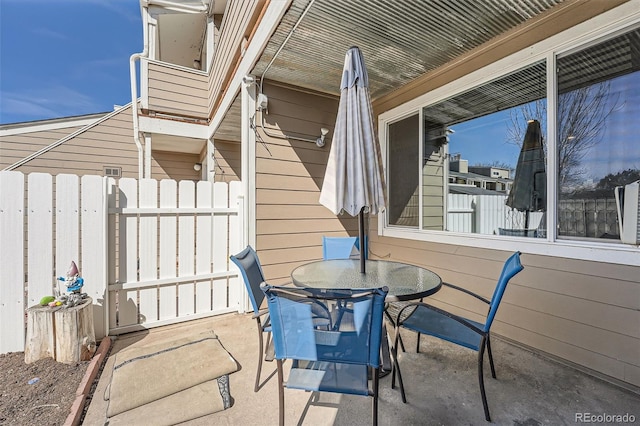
{"x": 12, "y": 261}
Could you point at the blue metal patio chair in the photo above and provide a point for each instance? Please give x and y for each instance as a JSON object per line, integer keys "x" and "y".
{"x": 330, "y": 360}
{"x": 341, "y": 247}
{"x": 249, "y": 265}
{"x": 427, "y": 319}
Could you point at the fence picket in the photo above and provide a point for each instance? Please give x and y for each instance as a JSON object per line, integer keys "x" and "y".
{"x": 238, "y": 297}
{"x": 148, "y": 198}
{"x": 67, "y": 224}
{"x": 186, "y": 242}
{"x": 93, "y": 231}
{"x": 40, "y": 275}
{"x": 220, "y": 245}
{"x": 110, "y": 300}
{"x": 168, "y": 250}
{"x": 204, "y": 236}
{"x": 11, "y": 253}
{"x": 128, "y": 264}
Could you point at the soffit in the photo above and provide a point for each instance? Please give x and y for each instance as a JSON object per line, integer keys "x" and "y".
{"x": 400, "y": 40}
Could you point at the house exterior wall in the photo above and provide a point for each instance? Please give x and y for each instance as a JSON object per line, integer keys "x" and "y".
{"x": 290, "y": 222}
{"x": 582, "y": 312}
{"x": 238, "y": 21}
{"x": 15, "y": 147}
{"x": 107, "y": 144}
{"x": 176, "y": 90}
{"x": 227, "y": 161}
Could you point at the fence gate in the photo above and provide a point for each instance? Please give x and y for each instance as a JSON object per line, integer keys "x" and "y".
{"x": 172, "y": 242}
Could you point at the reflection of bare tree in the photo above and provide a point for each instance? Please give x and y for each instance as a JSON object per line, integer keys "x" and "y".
{"x": 582, "y": 114}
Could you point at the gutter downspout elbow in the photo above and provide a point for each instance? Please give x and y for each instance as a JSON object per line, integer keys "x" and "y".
{"x": 134, "y": 88}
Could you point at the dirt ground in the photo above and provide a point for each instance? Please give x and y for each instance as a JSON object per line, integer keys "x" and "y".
{"x": 48, "y": 400}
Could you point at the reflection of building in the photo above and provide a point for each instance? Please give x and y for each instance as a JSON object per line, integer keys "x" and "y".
{"x": 485, "y": 177}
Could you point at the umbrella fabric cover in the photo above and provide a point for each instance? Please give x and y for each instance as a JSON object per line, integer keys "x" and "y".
{"x": 354, "y": 178}
{"x": 529, "y": 190}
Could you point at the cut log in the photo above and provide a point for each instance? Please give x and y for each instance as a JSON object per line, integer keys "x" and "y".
{"x": 74, "y": 334}
{"x": 40, "y": 334}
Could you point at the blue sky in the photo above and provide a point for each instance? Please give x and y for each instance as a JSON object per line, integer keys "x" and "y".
{"x": 61, "y": 58}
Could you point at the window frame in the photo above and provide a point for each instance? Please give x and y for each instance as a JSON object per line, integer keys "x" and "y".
{"x": 609, "y": 24}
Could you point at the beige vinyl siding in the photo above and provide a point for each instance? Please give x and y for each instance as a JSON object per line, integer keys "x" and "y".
{"x": 227, "y": 161}
{"x": 16, "y": 147}
{"x": 585, "y": 312}
{"x": 174, "y": 165}
{"x": 174, "y": 90}
{"x": 290, "y": 222}
{"x": 239, "y": 19}
{"x": 432, "y": 191}
{"x": 107, "y": 144}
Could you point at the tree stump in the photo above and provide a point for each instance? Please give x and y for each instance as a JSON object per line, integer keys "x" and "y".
{"x": 64, "y": 334}
{"x": 40, "y": 334}
{"x": 74, "y": 334}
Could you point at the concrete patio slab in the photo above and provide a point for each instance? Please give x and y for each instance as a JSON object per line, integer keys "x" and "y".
{"x": 440, "y": 382}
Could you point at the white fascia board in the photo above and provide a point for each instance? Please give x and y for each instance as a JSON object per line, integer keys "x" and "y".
{"x": 173, "y": 128}
{"x": 45, "y": 126}
{"x": 267, "y": 26}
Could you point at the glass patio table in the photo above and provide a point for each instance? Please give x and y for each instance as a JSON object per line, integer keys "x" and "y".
{"x": 404, "y": 281}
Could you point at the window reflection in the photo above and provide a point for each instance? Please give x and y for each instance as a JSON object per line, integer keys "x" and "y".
{"x": 597, "y": 122}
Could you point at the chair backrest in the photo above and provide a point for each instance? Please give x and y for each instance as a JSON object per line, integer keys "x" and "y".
{"x": 339, "y": 247}
{"x": 249, "y": 264}
{"x": 297, "y": 336}
{"x": 511, "y": 267}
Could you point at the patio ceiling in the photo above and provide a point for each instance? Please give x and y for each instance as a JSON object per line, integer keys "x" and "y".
{"x": 400, "y": 40}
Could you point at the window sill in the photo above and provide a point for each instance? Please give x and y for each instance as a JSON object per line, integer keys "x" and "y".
{"x": 609, "y": 252}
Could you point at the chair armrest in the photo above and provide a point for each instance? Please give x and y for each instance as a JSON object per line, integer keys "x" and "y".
{"x": 454, "y": 317}
{"x": 469, "y": 292}
{"x": 260, "y": 313}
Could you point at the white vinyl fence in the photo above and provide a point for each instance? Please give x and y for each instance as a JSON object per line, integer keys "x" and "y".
{"x": 485, "y": 214}
{"x": 150, "y": 253}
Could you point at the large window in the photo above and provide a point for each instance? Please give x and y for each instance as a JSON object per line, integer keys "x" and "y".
{"x": 598, "y": 134}
{"x": 481, "y": 162}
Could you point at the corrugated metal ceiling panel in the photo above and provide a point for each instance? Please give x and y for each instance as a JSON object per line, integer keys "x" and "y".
{"x": 400, "y": 40}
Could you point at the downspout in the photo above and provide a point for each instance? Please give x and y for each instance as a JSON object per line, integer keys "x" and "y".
{"x": 134, "y": 86}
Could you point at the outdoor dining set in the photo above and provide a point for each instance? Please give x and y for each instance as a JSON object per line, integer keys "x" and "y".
{"x": 329, "y": 322}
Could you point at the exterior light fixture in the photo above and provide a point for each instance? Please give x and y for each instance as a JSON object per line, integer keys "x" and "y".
{"x": 197, "y": 167}
{"x": 320, "y": 141}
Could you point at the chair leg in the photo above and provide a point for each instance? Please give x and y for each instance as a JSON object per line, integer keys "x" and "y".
{"x": 481, "y": 379}
{"x": 418, "y": 343}
{"x": 493, "y": 370}
{"x": 376, "y": 380}
{"x": 388, "y": 315}
{"x": 396, "y": 367}
{"x": 280, "y": 393}
{"x": 260, "y": 355}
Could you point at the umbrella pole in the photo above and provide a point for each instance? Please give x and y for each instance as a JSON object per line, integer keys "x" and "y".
{"x": 361, "y": 235}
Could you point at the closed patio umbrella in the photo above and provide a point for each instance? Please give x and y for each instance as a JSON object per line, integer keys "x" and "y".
{"x": 529, "y": 189}
{"x": 353, "y": 181}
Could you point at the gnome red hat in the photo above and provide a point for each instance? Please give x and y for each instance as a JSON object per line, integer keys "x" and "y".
{"x": 73, "y": 270}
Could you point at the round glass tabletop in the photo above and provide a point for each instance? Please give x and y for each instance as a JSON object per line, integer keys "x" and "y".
{"x": 405, "y": 282}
